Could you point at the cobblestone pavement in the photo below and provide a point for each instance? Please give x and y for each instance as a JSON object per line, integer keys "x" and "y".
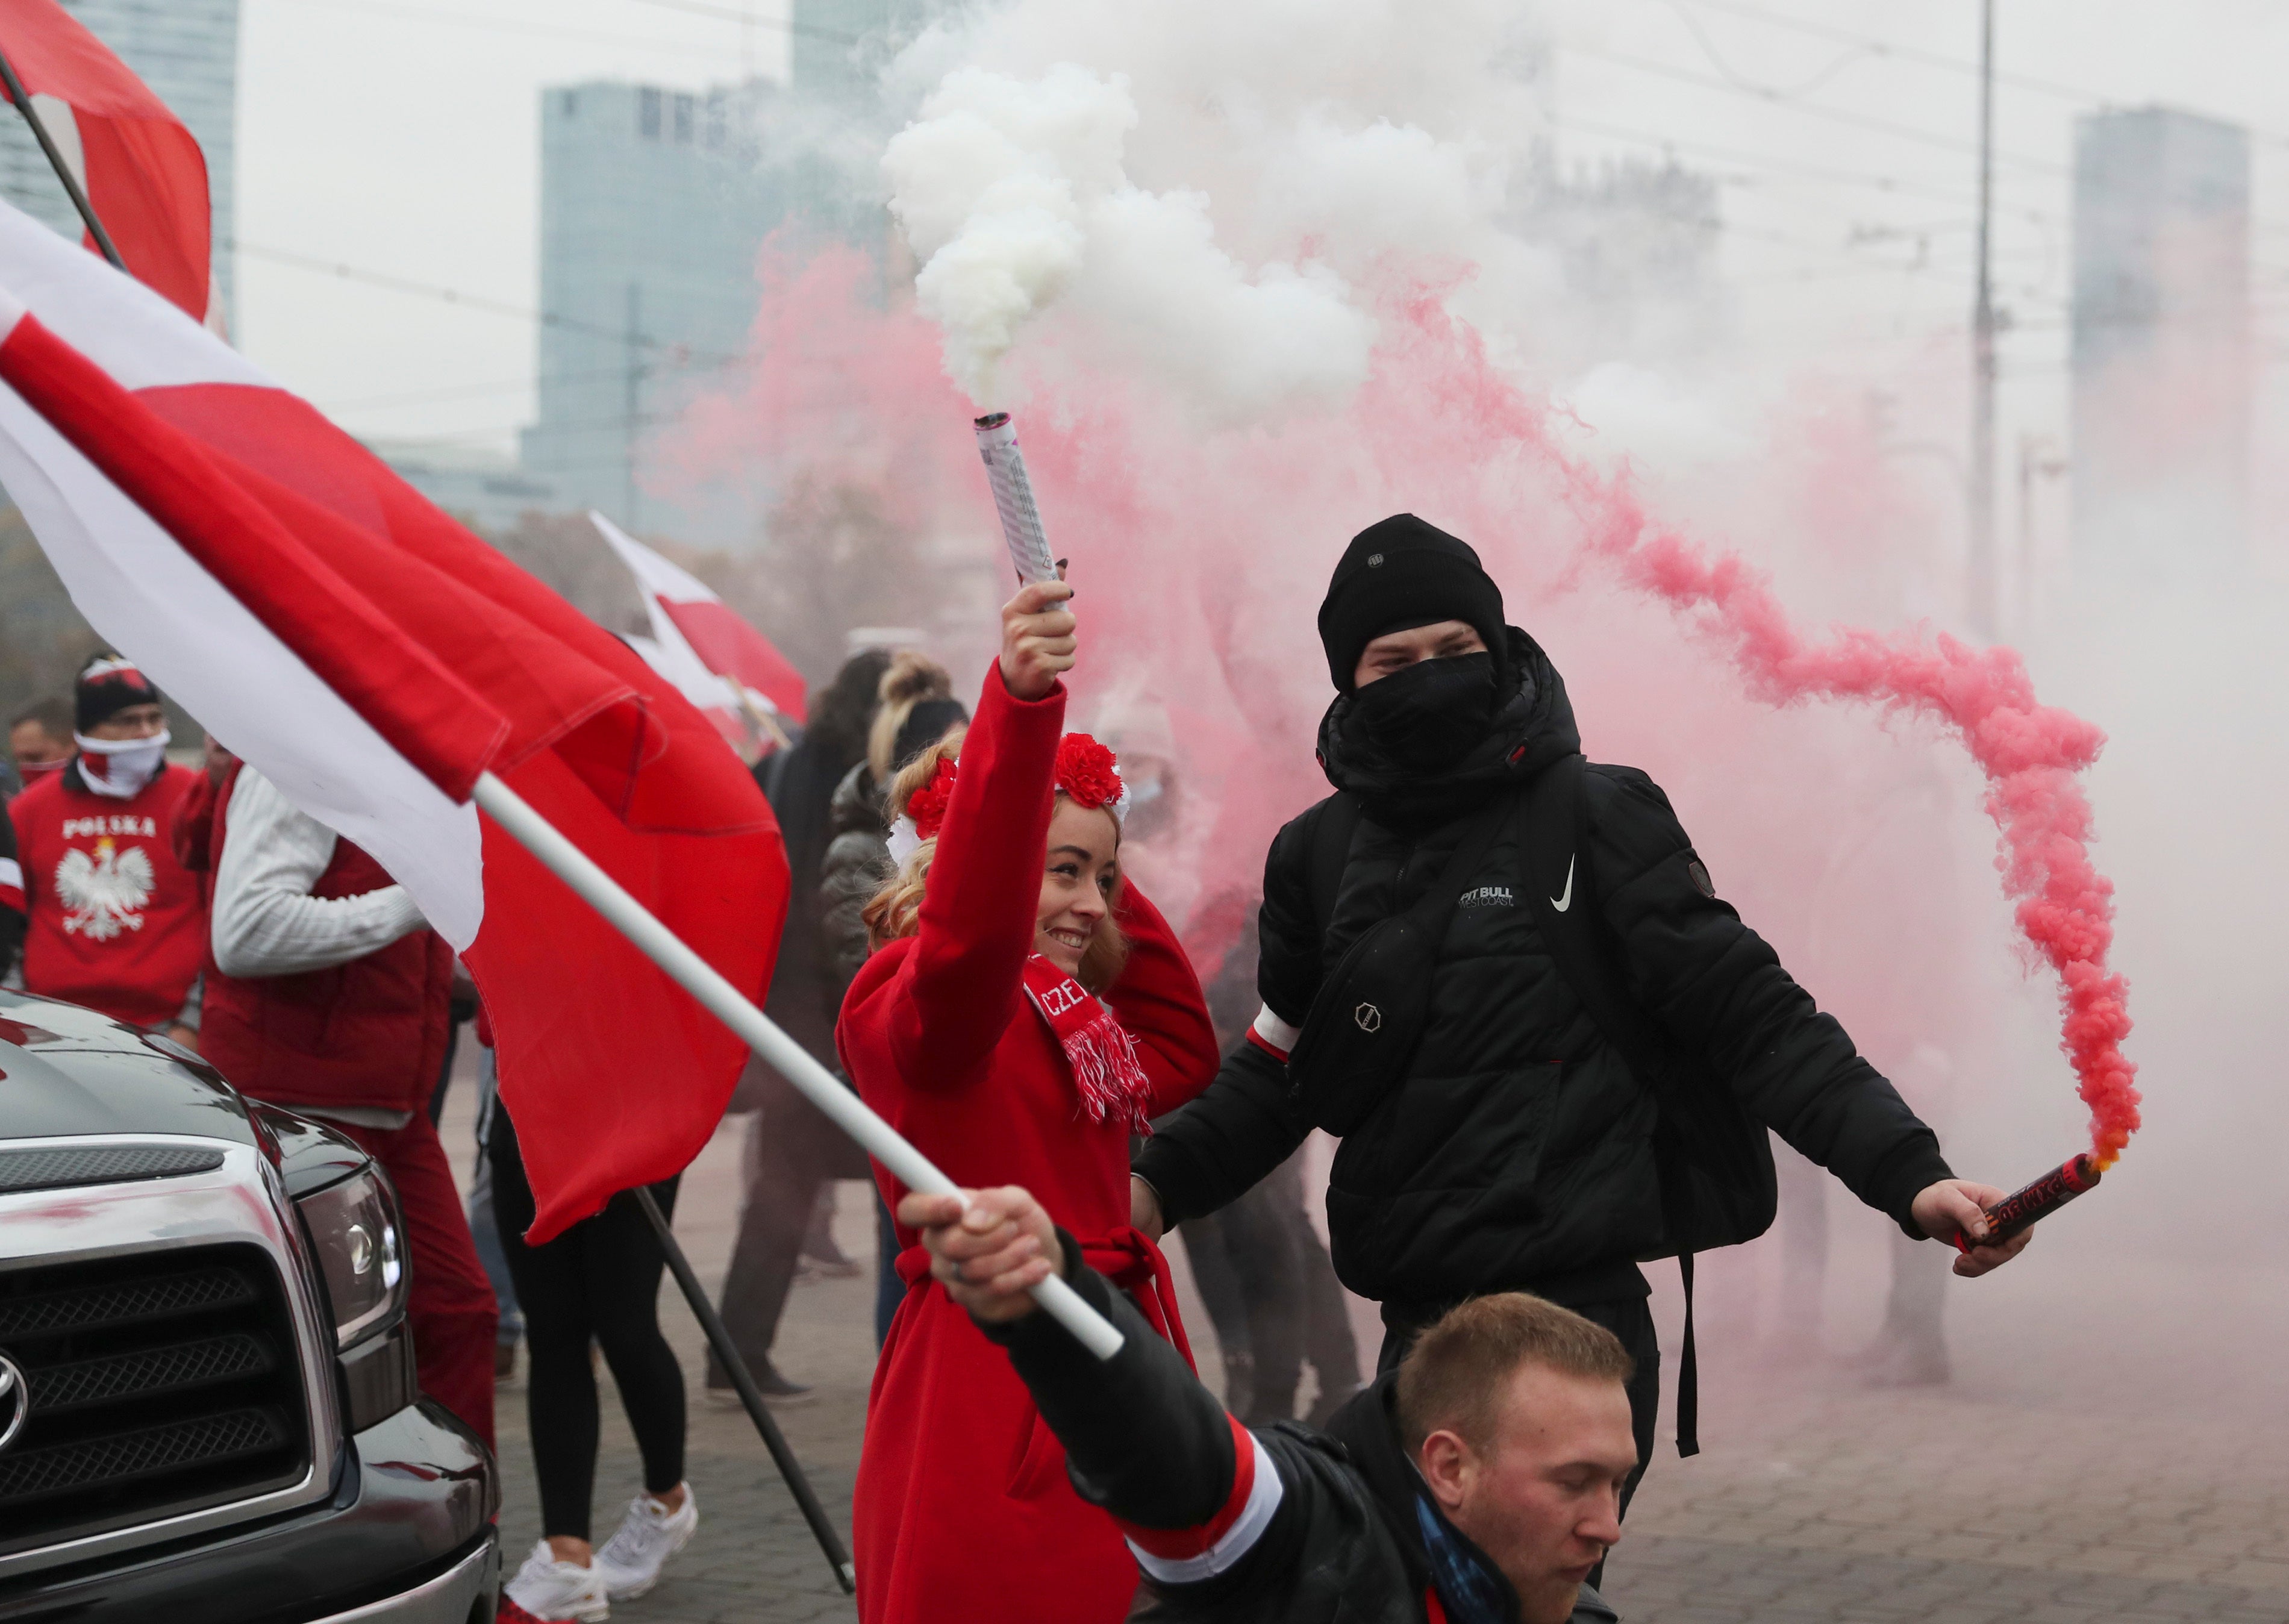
{"x": 2020, "y": 1491}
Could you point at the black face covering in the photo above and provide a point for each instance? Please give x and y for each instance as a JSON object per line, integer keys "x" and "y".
{"x": 1429, "y": 715}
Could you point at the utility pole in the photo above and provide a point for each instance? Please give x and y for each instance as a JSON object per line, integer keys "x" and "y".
{"x": 634, "y": 399}
{"x": 1981, "y": 585}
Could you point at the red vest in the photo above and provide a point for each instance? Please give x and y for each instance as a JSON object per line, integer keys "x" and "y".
{"x": 371, "y": 1032}
{"x": 114, "y": 920}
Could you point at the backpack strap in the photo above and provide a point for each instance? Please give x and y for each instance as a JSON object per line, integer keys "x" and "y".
{"x": 1554, "y": 819}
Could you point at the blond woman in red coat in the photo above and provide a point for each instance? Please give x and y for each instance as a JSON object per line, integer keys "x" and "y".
{"x": 1025, "y": 1013}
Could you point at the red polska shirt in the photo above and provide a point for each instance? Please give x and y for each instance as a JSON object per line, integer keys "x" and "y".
{"x": 113, "y": 920}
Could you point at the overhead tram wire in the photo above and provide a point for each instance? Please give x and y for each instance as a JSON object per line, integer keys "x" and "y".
{"x": 1863, "y": 180}
{"x": 1811, "y": 110}
{"x": 479, "y": 302}
{"x": 785, "y": 25}
{"x": 460, "y": 392}
{"x": 1876, "y": 45}
{"x": 504, "y": 24}
{"x": 1732, "y": 84}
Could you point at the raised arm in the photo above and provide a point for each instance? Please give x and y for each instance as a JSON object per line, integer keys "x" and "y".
{"x": 962, "y": 983}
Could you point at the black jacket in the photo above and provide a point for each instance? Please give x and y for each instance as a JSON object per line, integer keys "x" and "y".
{"x": 805, "y": 992}
{"x": 1518, "y": 1152}
{"x": 1148, "y": 1442}
{"x": 857, "y": 862}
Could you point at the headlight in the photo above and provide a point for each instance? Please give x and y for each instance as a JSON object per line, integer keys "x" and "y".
{"x": 360, "y": 1242}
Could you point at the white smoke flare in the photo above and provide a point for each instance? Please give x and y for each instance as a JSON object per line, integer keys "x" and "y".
{"x": 1013, "y": 194}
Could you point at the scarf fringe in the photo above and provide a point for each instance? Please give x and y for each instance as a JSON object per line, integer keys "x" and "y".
{"x": 1108, "y": 1073}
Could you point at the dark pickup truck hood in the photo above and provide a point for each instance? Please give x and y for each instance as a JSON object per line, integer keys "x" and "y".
{"x": 65, "y": 1069}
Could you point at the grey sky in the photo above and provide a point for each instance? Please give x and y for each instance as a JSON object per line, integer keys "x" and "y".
{"x": 400, "y": 137}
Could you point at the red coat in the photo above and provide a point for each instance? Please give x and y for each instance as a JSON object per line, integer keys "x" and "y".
{"x": 963, "y": 1513}
{"x": 114, "y": 920}
{"x": 370, "y": 1033}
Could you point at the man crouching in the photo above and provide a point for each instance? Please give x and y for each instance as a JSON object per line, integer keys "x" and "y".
{"x": 1478, "y": 1482}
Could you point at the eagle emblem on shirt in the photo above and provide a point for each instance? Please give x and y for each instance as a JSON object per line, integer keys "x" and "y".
{"x": 106, "y": 893}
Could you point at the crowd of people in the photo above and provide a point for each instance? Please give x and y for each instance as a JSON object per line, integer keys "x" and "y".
{"x": 1498, "y": 974}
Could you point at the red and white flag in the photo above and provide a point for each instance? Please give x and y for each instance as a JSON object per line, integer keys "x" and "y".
{"x": 685, "y": 612}
{"x": 141, "y": 170}
{"x": 666, "y": 652}
{"x": 371, "y": 659}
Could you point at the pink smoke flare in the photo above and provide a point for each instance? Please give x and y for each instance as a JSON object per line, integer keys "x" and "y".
{"x": 1168, "y": 521}
{"x": 2030, "y": 752}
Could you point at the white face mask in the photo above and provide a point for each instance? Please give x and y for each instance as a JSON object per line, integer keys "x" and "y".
{"x": 120, "y": 768}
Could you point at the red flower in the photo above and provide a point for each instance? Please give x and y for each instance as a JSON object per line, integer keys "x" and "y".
{"x": 1085, "y": 771}
{"x": 927, "y": 805}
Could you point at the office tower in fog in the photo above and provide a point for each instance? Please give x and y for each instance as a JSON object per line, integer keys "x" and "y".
{"x": 653, "y": 205}
{"x": 2162, "y": 378}
{"x": 187, "y": 51}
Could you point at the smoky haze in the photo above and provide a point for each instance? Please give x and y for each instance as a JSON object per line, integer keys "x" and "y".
{"x": 1252, "y": 277}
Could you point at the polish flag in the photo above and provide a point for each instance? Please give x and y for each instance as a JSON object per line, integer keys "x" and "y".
{"x": 372, "y": 659}
{"x": 685, "y": 611}
{"x": 141, "y": 170}
{"x": 718, "y": 698}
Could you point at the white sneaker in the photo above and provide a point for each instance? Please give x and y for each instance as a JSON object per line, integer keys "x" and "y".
{"x": 548, "y": 1589}
{"x": 649, "y": 1535}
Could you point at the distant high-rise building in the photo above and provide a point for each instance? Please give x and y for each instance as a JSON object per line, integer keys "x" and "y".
{"x": 2162, "y": 378}
{"x": 187, "y": 51}
{"x": 653, "y": 205}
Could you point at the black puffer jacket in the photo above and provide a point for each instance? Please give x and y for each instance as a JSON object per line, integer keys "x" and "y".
{"x": 857, "y": 862}
{"x": 1518, "y": 1152}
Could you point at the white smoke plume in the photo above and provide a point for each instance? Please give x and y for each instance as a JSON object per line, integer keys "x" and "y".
{"x": 1238, "y": 206}
{"x": 1012, "y": 193}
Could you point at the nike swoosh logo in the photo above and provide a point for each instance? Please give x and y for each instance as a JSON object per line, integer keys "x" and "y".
{"x": 1565, "y": 899}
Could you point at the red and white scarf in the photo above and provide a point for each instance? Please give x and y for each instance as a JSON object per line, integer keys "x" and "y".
{"x": 1106, "y": 1070}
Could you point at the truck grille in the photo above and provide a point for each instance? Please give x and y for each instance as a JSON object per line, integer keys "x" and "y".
{"x": 158, "y": 1384}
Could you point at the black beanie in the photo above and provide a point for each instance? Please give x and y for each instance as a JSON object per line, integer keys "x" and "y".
{"x": 1402, "y": 573}
{"x": 107, "y": 686}
{"x": 924, "y": 726}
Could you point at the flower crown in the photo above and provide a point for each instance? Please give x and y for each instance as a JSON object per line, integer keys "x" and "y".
{"x": 1087, "y": 774}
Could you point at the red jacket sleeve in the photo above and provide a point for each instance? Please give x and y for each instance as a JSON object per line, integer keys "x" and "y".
{"x": 962, "y": 983}
{"x": 1158, "y": 999}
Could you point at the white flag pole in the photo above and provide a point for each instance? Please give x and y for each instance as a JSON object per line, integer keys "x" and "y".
{"x": 782, "y": 1053}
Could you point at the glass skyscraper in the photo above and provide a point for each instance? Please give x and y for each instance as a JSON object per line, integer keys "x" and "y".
{"x": 653, "y": 205}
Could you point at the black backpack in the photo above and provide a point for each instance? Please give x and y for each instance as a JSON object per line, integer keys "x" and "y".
{"x": 1714, "y": 1159}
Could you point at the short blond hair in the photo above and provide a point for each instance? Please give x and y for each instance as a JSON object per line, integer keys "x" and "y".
{"x": 1452, "y": 1379}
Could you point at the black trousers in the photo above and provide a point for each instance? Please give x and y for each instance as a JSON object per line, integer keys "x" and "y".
{"x": 599, "y": 1282}
{"x": 792, "y": 1150}
{"x": 1294, "y": 1306}
{"x": 1628, "y": 1317}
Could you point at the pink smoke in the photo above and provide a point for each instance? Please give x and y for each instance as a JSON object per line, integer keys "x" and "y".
{"x": 1183, "y": 535}
{"x": 2030, "y": 752}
